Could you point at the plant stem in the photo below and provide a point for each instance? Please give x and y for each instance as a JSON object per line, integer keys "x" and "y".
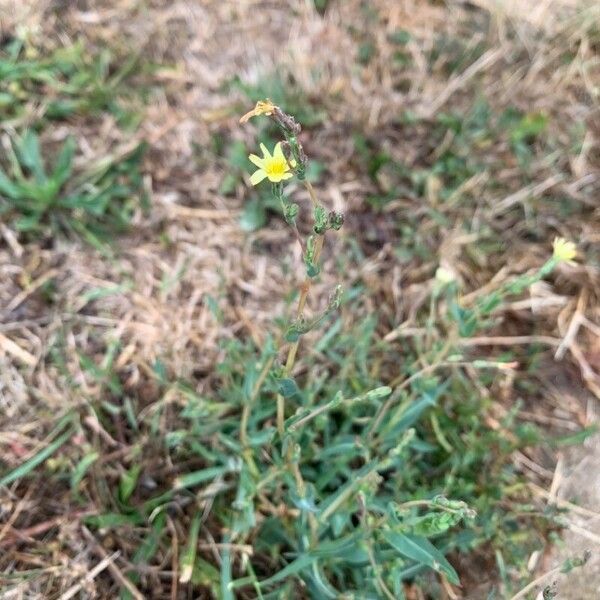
{"x": 289, "y": 365}
{"x": 535, "y": 583}
{"x": 301, "y": 486}
{"x": 246, "y": 415}
{"x": 293, "y": 349}
{"x": 304, "y": 291}
{"x": 364, "y": 517}
{"x": 377, "y": 570}
{"x": 311, "y": 192}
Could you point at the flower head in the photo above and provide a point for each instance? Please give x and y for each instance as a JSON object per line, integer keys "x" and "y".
{"x": 275, "y": 167}
{"x": 444, "y": 276}
{"x": 263, "y": 107}
{"x": 564, "y": 251}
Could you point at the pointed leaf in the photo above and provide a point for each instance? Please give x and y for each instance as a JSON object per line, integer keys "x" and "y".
{"x": 64, "y": 163}
{"x": 8, "y": 188}
{"x": 421, "y": 551}
{"x": 301, "y": 563}
{"x": 37, "y": 459}
{"x": 29, "y": 154}
{"x": 128, "y": 482}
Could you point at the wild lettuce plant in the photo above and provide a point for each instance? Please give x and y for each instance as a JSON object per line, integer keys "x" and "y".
{"x": 338, "y": 517}
{"x": 339, "y": 523}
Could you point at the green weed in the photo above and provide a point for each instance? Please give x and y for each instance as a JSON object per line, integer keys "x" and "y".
{"x": 92, "y": 203}
{"x": 400, "y": 481}
{"x": 63, "y": 82}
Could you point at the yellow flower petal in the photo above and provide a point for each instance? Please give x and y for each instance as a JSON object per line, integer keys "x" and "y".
{"x": 444, "y": 276}
{"x": 564, "y": 251}
{"x": 257, "y": 177}
{"x": 259, "y": 162}
{"x": 278, "y": 152}
{"x": 265, "y": 152}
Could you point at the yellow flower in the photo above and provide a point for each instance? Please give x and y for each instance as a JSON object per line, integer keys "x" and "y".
{"x": 263, "y": 107}
{"x": 275, "y": 167}
{"x": 444, "y": 276}
{"x": 564, "y": 251}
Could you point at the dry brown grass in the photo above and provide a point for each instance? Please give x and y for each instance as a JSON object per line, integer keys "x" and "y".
{"x": 191, "y": 246}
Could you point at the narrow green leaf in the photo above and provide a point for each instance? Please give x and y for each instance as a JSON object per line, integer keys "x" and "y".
{"x": 574, "y": 438}
{"x": 301, "y": 563}
{"x": 334, "y": 548}
{"x": 8, "y": 188}
{"x": 188, "y": 558}
{"x": 146, "y": 551}
{"x": 29, "y": 153}
{"x": 421, "y": 551}
{"x": 323, "y": 587}
{"x": 64, "y": 162}
{"x": 113, "y": 520}
{"x": 226, "y": 584}
{"x": 345, "y": 492}
{"x": 37, "y": 459}
{"x": 128, "y": 482}
{"x": 28, "y": 223}
{"x": 192, "y": 479}
{"x": 206, "y": 575}
{"x": 406, "y": 416}
{"x": 82, "y": 468}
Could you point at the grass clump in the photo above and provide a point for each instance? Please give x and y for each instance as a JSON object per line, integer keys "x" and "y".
{"x": 62, "y": 82}
{"x": 93, "y": 203}
{"x": 39, "y": 196}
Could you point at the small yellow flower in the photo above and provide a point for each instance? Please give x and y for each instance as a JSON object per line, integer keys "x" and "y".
{"x": 563, "y": 251}
{"x": 275, "y": 167}
{"x": 444, "y": 276}
{"x": 263, "y": 107}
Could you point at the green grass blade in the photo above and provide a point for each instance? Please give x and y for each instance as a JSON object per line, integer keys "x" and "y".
{"x": 82, "y": 468}
{"x": 29, "y": 153}
{"x": 226, "y": 583}
{"x": 188, "y": 558}
{"x": 302, "y": 562}
{"x": 192, "y": 479}
{"x": 8, "y": 188}
{"x": 64, "y": 163}
{"x": 37, "y": 459}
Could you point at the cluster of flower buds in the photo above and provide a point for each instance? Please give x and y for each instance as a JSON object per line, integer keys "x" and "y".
{"x": 324, "y": 221}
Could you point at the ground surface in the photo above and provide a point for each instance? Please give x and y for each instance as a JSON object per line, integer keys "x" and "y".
{"x": 581, "y": 485}
{"x": 380, "y": 86}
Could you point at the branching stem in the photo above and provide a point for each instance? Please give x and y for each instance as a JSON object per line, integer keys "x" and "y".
{"x": 304, "y": 291}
